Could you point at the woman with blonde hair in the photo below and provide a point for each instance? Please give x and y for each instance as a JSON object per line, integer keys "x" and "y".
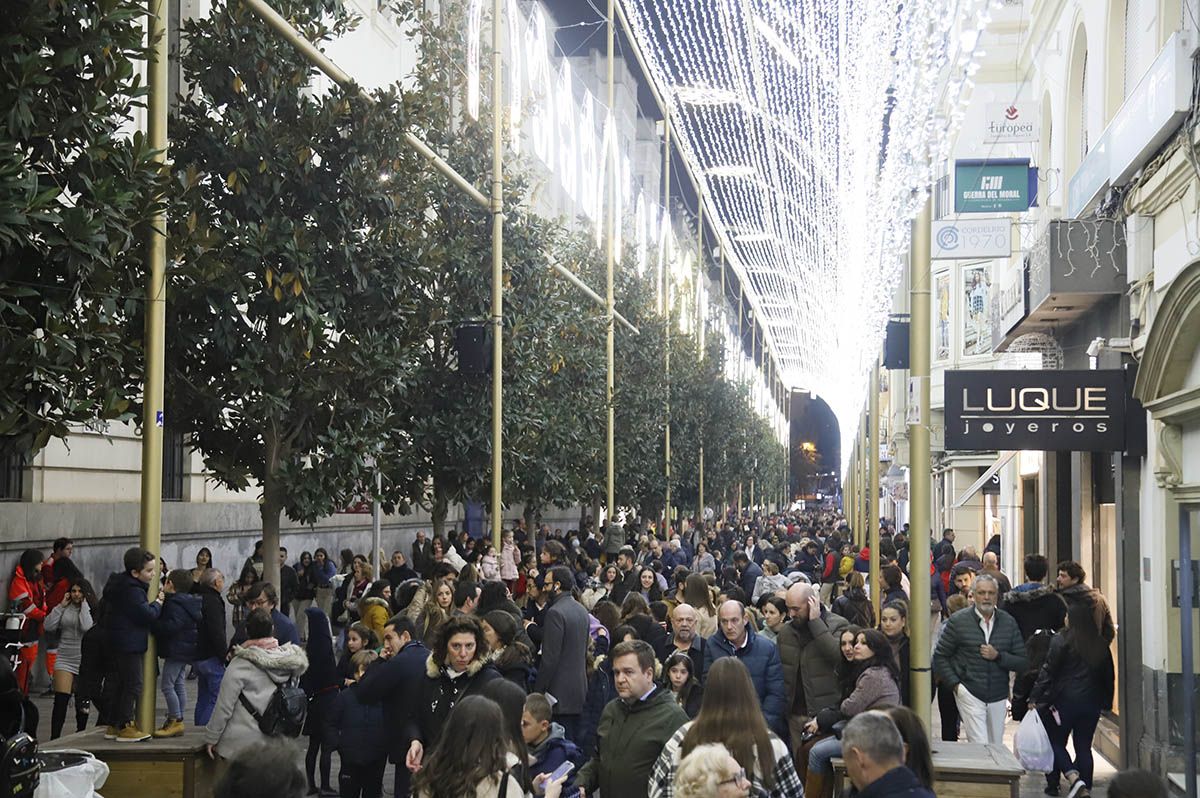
{"x": 436, "y": 611}
{"x": 710, "y": 771}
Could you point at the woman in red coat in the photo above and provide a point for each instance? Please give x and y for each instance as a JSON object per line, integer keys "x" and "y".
{"x": 27, "y": 597}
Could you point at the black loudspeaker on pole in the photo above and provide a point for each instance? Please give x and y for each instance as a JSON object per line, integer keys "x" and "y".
{"x": 895, "y": 346}
{"x": 474, "y": 354}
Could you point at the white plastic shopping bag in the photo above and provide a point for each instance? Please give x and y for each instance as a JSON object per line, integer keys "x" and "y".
{"x": 1032, "y": 744}
{"x": 71, "y": 774}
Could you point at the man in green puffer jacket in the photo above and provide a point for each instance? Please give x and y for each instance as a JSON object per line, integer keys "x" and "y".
{"x": 978, "y": 647}
{"x": 633, "y": 728}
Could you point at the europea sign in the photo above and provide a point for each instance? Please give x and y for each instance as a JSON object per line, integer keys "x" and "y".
{"x": 1079, "y": 411}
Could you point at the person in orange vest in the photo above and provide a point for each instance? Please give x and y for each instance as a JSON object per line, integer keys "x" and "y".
{"x": 27, "y": 597}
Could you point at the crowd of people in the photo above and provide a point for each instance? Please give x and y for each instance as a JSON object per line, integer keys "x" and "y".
{"x": 735, "y": 656}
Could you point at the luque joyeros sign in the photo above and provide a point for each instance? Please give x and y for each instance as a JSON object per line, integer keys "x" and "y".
{"x": 1080, "y": 411}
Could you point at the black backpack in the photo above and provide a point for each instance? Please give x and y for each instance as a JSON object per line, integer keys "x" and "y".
{"x": 285, "y": 712}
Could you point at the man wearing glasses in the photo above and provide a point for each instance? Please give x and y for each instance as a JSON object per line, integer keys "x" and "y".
{"x": 262, "y": 596}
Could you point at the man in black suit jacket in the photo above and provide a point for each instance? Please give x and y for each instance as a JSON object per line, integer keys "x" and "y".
{"x": 563, "y": 669}
{"x": 422, "y": 555}
{"x": 393, "y": 681}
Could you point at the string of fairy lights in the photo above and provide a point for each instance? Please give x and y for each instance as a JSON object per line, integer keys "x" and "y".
{"x": 813, "y": 127}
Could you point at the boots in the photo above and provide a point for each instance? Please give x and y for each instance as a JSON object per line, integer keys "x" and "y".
{"x": 818, "y": 785}
{"x": 173, "y": 727}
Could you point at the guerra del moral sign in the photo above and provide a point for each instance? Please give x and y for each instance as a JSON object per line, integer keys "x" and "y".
{"x": 999, "y": 185}
{"x": 1077, "y": 411}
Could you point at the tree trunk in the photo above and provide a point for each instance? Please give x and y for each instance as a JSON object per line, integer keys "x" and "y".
{"x": 272, "y": 505}
{"x": 531, "y": 514}
{"x": 438, "y": 510}
{"x": 596, "y": 512}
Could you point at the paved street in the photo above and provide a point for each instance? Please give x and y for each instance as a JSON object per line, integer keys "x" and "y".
{"x": 1031, "y": 784}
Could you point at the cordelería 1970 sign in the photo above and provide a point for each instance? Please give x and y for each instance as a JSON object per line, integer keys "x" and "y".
{"x": 1080, "y": 411}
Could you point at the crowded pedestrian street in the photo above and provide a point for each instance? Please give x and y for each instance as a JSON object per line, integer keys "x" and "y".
{"x": 599, "y": 398}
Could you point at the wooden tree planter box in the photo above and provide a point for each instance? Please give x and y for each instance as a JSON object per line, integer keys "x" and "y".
{"x": 177, "y": 767}
{"x": 963, "y": 770}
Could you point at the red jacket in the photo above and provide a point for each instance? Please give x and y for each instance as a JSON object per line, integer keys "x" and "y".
{"x": 27, "y": 597}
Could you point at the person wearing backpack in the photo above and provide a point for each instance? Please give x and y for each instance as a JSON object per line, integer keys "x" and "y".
{"x": 258, "y": 692}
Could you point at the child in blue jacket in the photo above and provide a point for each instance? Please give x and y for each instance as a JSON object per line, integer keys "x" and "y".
{"x": 177, "y": 632}
{"x": 128, "y": 615}
{"x": 548, "y": 746}
{"x": 362, "y": 738}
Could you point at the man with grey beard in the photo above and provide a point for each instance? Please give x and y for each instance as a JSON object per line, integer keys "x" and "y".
{"x": 979, "y": 645}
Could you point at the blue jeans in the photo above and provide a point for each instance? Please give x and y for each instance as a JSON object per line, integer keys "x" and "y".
{"x": 1077, "y": 721}
{"x": 209, "y": 673}
{"x": 174, "y": 674}
{"x": 820, "y": 756}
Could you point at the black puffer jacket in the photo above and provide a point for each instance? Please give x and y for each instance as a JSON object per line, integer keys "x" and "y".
{"x": 1037, "y": 607}
{"x": 958, "y": 661}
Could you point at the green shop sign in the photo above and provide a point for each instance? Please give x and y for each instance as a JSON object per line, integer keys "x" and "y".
{"x": 1000, "y": 185}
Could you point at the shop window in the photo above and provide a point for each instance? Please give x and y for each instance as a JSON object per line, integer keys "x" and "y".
{"x": 174, "y": 465}
{"x": 12, "y": 477}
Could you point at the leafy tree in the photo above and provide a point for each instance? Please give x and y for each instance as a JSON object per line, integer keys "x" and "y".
{"x": 75, "y": 195}
{"x": 295, "y": 240}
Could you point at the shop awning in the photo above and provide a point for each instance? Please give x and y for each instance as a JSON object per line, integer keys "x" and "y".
{"x": 995, "y": 467}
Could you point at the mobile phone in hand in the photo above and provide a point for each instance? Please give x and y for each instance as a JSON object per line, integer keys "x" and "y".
{"x": 560, "y": 771}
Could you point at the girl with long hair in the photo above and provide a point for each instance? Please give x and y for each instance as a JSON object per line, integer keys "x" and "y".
{"x": 437, "y": 610}
{"x": 855, "y": 605}
{"x": 679, "y": 676}
{"x": 648, "y": 586}
{"x": 635, "y": 612}
{"x": 697, "y": 593}
{"x": 236, "y": 592}
{"x": 1077, "y": 680}
{"x": 71, "y": 618}
{"x": 730, "y": 715}
{"x": 919, "y": 758}
{"x": 203, "y": 563}
{"x": 511, "y": 657}
{"x": 876, "y": 686}
{"x": 320, "y": 683}
{"x": 475, "y": 757}
{"x": 893, "y": 622}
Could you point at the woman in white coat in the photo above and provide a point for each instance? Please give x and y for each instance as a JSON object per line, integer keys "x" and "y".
{"x": 258, "y": 666}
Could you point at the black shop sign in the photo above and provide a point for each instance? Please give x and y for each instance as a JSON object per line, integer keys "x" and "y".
{"x": 1079, "y": 411}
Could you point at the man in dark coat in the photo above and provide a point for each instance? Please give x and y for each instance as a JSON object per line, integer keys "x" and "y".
{"x": 735, "y": 638}
{"x": 1035, "y": 605}
{"x": 748, "y": 571}
{"x": 393, "y": 682}
{"x": 563, "y": 669}
{"x": 289, "y": 583}
{"x": 422, "y": 555}
{"x": 627, "y": 580}
{"x": 633, "y": 729}
{"x": 809, "y": 652}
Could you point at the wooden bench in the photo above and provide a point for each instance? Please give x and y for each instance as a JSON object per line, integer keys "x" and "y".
{"x": 177, "y": 767}
{"x": 962, "y": 770}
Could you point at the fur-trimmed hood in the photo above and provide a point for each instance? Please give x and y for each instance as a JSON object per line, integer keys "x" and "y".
{"x": 1022, "y": 594}
{"x": 433, "y": 671}
{"x": 373, "y": 601}
{"x": 285, "y": 662}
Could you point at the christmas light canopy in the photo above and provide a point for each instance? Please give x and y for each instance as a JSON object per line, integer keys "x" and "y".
{"x": 814, "y": 127}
